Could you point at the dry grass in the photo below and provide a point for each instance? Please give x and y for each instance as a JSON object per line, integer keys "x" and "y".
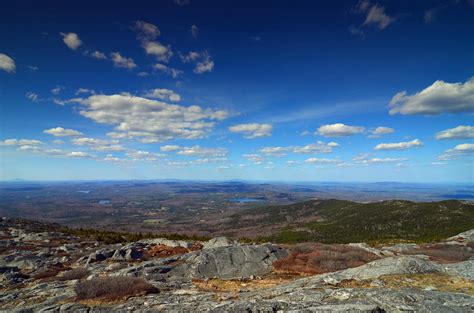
{"x": 77, "y": 273}
{"x": 219, "y": 285}
{"x": 436, "y": 281}
{"x": 444, "y": 253}
{"x": 320, "y": 258}
{"x": 113, "y": 288}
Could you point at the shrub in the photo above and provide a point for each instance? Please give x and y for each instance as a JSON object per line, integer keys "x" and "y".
{"x": 163, "y": 251}
{"x": 320, "y": 258}
{"x": 76, "y": 273}
{"x": 113, "y": 288}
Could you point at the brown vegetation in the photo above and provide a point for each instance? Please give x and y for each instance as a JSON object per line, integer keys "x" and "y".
{"x": 73, "y": 274}
{"x": 163, "y": 251}
{"x": 113, "y": 288}
{"x": 320, "y": 258}
{"x": 444, "y": 253}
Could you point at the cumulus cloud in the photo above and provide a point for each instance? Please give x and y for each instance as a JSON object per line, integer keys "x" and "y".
{"x": 7, "y": 64}
{"x": 252, "y": 130}
{"x": 379, "y": 131}
{"x": 366, "y": 159}
{"x": 98, "y": 55}
{"x": 275, "y": 151}
{"x": 149, "y": 120}
{"x": 161, "y": 52}
{"x": 146, "y": 31}
{"x": 202, "y": 60}
{"x": 195, "y": 31}
{"x": 98, "y": 144}
{"x": 399, "y": 145}
{"x": 440, "y": 97}
{"x": 318, "y": 147}
{"x": 167, "y": 70}
{"x": 163, "y": 94}
{"x": 62, "y": 132}
{"x": 169, "y": 148}
{"x": 71, "y": 40}
{"x": 339, "y": 130}
{"x": 461, "y": 150}
{"x": 460, "y": 132}
{"x": 21, "y": 142}
{"x": 121, "y": 61}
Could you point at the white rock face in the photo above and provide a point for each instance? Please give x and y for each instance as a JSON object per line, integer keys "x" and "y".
{"x": 467, "y": 236}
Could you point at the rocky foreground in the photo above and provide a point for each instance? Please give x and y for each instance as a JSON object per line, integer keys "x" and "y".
{"x": 49, "y": 271}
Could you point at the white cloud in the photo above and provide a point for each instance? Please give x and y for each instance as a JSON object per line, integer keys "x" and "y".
{"x": 275, "y": 151}
{"x": 255, "y": 158}
{"x": 120, "y": 61}
{"x": 440, "y": 97}
{"x": 252, "y": 130}
{"x": 339, "y": 130}
{"x": 460, "y": 132}
{"x": 149, "y": 120}
{"x": 321, "y": 161}
{"x": 167, "y": 70}
{"x": 169, "y": 148}
{"x": 81, "y": 91}
{"x": 33, "y": 97}
{"x": 77, "y": 154}
{"x": 318, "y": 147}
{"x": 461, "y": 150}
{"x": 377, "y": 132}
{"x": 143, "y": 155}
{"x": 71, "y": 40}
{"x": 374, "y": 15}
{"x": 57, "y": 90}
{"x": 161, "y": 52}
{"x": 62, "y": 132}
{"x": 399, "y": 145}
{"x": 163, "y": 94}
{"x": 200, "y": 151}
{"x": 146, "y": 30}
{"x": 365, "y": 159}
{"x": 98, "y": 55}
{"x": 58, "y": 142}
{"x": 7, "y": 64}
{"x": 195, "y": 31}
{"x": 202, "y": 60}
{"x": 98, "y": 144}
{"x": 195, "y": 151}
{"x": 21, "y": 142}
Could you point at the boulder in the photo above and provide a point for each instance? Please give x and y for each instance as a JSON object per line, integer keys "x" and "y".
{"x": 218, "y": 242}
{"x": 236, "y": 261}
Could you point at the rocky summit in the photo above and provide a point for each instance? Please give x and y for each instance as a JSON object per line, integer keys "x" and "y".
{"x": 43, "y": 269}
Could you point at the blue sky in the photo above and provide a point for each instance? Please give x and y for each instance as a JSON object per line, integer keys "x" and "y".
{"x": 254, "y": 90}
